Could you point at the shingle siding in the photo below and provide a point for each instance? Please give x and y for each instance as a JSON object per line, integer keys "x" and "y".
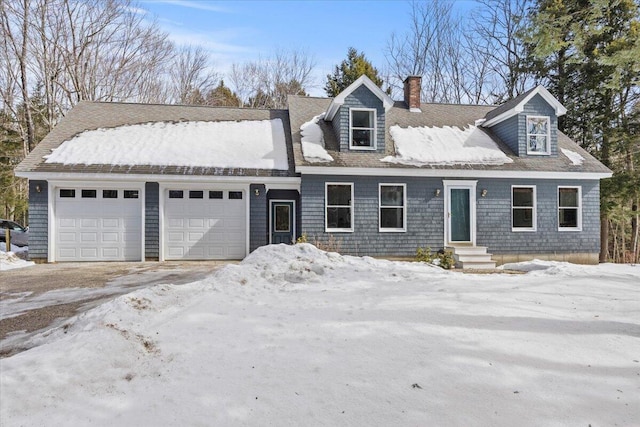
{"x": 258, "y": 216}
{"x": 425, "y": 217}
{"x": 38, "y": 220}
{"x": 152, "y": 220}
{"x": 509, "y": 132}
{"x": 362, "y": 97}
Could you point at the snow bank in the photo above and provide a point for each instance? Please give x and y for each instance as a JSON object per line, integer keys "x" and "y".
{"x": 10, "y": 261}
{"x": 575, "y": 158}
{"x": 313, "y": 141}
{"x": 245, "y": 144}
{"x": 418, "y": 146}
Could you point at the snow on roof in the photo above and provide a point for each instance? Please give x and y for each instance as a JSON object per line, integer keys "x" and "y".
{"x": 575, "y": 158}
{"x": 258, "y": 144}
{"x": 418, "y": 146}
{"x": 313, "y": 141}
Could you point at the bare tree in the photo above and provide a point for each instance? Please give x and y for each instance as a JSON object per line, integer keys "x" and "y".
{"x": 191, "y": 75}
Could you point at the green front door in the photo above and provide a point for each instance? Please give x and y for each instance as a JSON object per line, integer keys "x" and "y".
{"x": 460, "y": 215}
{"x": 282, "y": 222}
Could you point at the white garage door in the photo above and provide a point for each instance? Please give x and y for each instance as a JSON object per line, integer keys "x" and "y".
{"x": 98, "y": 224}
{"x": 204, "y": 224}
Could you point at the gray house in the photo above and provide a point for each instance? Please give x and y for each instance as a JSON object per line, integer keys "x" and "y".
{"x": 376, "y": 176}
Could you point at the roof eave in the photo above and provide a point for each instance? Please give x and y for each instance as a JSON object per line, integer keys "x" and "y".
{"x": 559, "y": 109}
{"x": 338, "y": 101}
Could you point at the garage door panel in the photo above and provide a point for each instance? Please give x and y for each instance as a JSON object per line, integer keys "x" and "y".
{"x": 67, "y": 223}
{"x": 89, "y": 253}
{"x": 88, "y": 237}
{"x": 89, "y": 223}
{"x": 67, "y": 237}
{"x": 110, "y": 237}
{"x": 110, "y": 223}
{"x": 110, "y": 252}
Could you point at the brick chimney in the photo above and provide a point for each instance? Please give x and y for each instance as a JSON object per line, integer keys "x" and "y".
{"x": 412, "y": 89}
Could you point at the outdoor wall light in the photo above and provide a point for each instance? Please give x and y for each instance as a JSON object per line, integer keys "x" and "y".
{"x": 483, "y": 192}
{"x": 256, "y": 192}
{"x": 437, "y": 193}
{"x": 38, "y": 188}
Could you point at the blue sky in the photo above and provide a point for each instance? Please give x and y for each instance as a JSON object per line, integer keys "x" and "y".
{"x": 236, "y": 31}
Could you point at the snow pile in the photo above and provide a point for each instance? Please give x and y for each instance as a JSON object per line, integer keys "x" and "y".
{"x": 258, "y": 144}
{"x": 10, "y": 261}
{"x": 418, "y": 146}
{"x": 294, "y": 335}
{"x": 575, "y": 158}
{"x": 313, "y": 141}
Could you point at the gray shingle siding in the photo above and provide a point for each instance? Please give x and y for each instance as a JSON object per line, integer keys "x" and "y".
{"x": 510, "y": 134}
{"x": 151, "y": 220}
{"x": 362, "y": 97}
{"x": 38, "y": 220}
{"x": 425, "y": 217}
{"x": 258, "y": 215}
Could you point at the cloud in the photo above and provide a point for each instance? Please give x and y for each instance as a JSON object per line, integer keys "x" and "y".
{"x": 191, "y": 4}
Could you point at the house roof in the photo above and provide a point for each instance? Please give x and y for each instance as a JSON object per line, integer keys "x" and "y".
{"x": 302, "y": 109}
{"x": 336, "y": 102}
{"x": 87, "y": 116}
{"x": 516, "y": 105}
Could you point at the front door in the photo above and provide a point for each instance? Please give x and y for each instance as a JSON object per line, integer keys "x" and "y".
{"x": 282, "y": 221}
{"x": 460, "y": 212}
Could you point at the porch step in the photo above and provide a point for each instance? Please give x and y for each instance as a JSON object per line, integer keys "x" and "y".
{"x": 472, "y": 257}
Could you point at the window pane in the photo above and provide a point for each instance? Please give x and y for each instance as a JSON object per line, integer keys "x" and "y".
{"x": 361, "y": 138}
{"x": 538, "y": 125}
{"x": 391, "y": 218}
{"x": 215, "y": 194}
{"x": 338, "y": 217}
{"x": 523, "y": 218}
{"x": 568, "y": 217}
{"x": 89, "y": 194}
{"x": 130, "y": 194}
{"x": 568, "y": 197}
{"x": 196, "y": 194}
{"x": 338, "y": 195}
{"x": 65, "y": 192}
{"x": 391, "y": 195}
{"x": 282, "y": 218}
{"x": 538, "y": 144}
{"x": 523, "y": 197}
{"x": 361, "y": 119}
{"x": 109, "y": 194}
{"x": 176, "y": 194}
{"x": 235, "y": 195}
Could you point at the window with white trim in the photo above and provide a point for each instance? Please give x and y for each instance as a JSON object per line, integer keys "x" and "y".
{"x": 392, "y": 203}
{"x": 538, "y": 135}
{"x": 569, "y": 208}
{"x": 339, "y": 207}
{"x": 523, "y": 208}
{"x": 362, "y": 129}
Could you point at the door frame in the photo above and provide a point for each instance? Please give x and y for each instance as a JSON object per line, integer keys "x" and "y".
{"x": 450, "y": 184}
{"x": 293, "y": 217}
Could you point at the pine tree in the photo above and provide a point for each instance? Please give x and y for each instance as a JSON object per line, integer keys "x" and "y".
{"x": 349, "y": 71}
{"x": 222, "y": 96}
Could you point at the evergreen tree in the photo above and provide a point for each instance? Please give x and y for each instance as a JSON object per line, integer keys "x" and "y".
{"x": 222, "y": 96}
{"x": 349, "y": 71}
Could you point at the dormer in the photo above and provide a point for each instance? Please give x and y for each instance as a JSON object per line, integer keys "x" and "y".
{"x": 358, "y": 114}
{"x": 528, "y": 124}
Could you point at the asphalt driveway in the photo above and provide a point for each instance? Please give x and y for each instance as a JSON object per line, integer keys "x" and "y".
{"x": 44, "y": 296}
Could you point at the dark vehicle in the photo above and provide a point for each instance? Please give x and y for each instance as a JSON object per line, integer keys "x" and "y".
{"x": 19, "y": 234}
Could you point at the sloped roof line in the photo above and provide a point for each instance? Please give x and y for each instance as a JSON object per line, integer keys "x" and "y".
{"x": 516, "y": 106}
{"x": 338, "y": 101}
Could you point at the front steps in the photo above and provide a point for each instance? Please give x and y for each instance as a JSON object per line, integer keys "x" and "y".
{"x": 472, "y": 257}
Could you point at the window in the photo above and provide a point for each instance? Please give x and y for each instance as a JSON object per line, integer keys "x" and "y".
{"x": 196, "y": 194}
{"x": 131, "y": 194}
{"x": 89, "y": 194}
{"x": 215, "y": 194}
{"x": 66, "y": 192}
{"x": 392, "y": 207}
{"x": 339, "y": 207}
{"x": 109, "y": 194}
{"x": 538, "y": 135}
{"x": 523, "y": 208}
{"x": 235, "y": 195}
{"x": 176, "y": 194}
{"x": 362, "y": 132}
{"x": 569, "y": 211}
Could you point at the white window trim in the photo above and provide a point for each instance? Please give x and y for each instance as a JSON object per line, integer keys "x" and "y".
{"x": 534, "y": 209}
{"x": 539, "y": 153}
{"x": 579, "y": 207}
{"x": 463, "y": 184}
{"x": 326, "y": 199}
{"x": 404, "y": 208}
{"x": 374, "y": 144}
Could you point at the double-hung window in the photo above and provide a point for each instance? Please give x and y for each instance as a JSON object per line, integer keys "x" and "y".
{"x": 362, "y": 129}
{"x": 523, "y": 208}
{"x": 569, "y": 209}
{"x": 538, "y": 135}
{"x": 392, "y": 203}
{"x": 338, "y": 207}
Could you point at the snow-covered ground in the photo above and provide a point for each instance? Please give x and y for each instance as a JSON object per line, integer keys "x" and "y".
{"x": 12, "y": 260}
{"x": 295, "y": 336}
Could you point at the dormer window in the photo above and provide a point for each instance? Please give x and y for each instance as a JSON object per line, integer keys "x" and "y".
{"x": 538, "y": 135}
{"x": 362, "y": 129}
